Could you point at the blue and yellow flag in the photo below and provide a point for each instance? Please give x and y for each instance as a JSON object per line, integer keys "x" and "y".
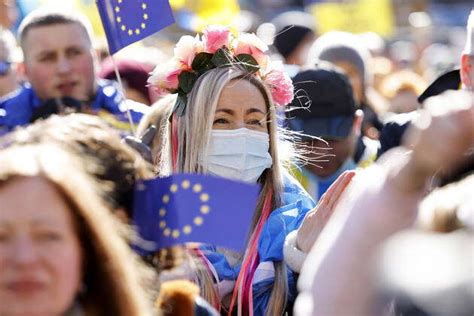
{"x": 194, "y": 208}
{"x": 128, "y": 21}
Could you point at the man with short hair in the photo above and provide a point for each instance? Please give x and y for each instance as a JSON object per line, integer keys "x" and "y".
{"x": 324, "y": 107}
{"x": 60, "y": 65}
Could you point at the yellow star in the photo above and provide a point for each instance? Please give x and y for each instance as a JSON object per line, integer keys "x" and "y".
{"x": 143, "y": 25}
{"x": 185, "y": 184}
{"x": 166, "y": 197}
{"x": 173, "y": 188}
{"x": 162, "y": 224}
{"x": 198, "y": 220}
{"x": 117, "y": 9}
{"x": 145, "y": 16}
{"x": 204, "y": 197}
{"x": 167, "y": 232}
{"x": 175, "y": 233}
{"x": 162, "y": 212}
{"x": 204, "y": 209}
{"x": 119, "y": 1}
{"x": 137, "y": 31}
{"x": 130, "y": 32}
{"x": 197, "y": 188}
{"x": 123, "y": 28}
{"x": 119, "y": 19}
{"x": 143, "y": 6}
{"x": 187, "y": 230}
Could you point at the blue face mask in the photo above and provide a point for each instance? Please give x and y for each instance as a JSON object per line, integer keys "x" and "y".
{"x": 239, "y": 154}
{"x": 5, "y": 67}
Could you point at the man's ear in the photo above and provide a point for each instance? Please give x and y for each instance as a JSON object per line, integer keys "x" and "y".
{"x": 466, "y": 70}
{"x": 356, "y": 126}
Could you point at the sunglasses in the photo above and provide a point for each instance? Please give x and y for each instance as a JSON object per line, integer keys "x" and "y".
{"x": 4, "y": 67}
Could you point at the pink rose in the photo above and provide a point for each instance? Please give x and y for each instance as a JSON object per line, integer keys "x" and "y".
{"x": 215, "y": 37}
{"x": 164, "y": 78}
{"x": 280, "y": 86}
{"x": 250, "y": 44}
{"x": 187, "y": 48}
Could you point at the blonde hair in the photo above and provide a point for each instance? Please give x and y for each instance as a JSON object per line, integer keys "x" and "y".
{"x": 194, "y": 129}
{"x": 113, "y": 280}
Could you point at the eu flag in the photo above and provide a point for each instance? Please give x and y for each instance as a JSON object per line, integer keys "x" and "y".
{"x": 128, "y": 21}
{"x": 194, "y": 208}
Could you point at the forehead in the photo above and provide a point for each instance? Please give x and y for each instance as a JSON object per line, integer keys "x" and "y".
{"x": 241, "y": 94}
{"x": 44, "y": 202}
{"x": 55, "y": 36}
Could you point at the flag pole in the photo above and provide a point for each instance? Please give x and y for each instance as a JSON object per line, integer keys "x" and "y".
{"x": 122, "y": 92}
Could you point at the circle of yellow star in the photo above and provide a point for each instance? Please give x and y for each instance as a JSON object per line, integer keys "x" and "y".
{"x": 173, "y": 188}
{"x": 187, "y": 229}
{"x": 162, "y": 212}
{"x": 175, "y": 233}
{"x": 204, "y": 209}
{"x": 198, "y": 220}
{"x": 197, "y": 188}
{"x": 204, "y": 197}
{"x": 185, "y": 184}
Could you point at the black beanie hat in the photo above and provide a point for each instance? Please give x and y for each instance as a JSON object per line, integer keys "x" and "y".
{"x": 289, "y": 38}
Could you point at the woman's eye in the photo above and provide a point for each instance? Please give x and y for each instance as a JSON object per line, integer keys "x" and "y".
{"x": 221, "y": 121}
{"x": 255, "y": 122}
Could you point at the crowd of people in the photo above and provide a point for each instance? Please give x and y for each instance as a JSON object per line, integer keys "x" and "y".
{"x": 365, "y": 181}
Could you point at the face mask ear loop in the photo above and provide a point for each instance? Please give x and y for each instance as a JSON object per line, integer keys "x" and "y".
{"x": 174, "y": 142}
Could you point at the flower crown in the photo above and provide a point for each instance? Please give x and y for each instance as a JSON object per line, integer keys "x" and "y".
{"x": 218, "y": 47}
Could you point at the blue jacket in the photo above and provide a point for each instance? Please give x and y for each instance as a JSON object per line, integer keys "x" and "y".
{"x": 281, "y": 222}
{"x": 18, "y": 109}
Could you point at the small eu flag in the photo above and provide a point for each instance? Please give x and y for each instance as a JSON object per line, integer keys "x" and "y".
{"x": 194, "y": 208}
{"x": 128, "y": 21}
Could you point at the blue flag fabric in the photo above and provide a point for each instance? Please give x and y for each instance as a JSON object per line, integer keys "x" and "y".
{"x": 128, "y": 21}
{"x": 194, "y": 208}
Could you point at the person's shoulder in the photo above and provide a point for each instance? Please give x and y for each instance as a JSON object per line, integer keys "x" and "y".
{"x": 16, "y": 107}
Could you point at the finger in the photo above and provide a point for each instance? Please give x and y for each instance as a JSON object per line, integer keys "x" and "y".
{"x": 340, "y": 188}
{"x": 330, "y": 191}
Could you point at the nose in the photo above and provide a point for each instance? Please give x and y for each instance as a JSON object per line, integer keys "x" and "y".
{"x": 24, "y": 251}
{"x": 64, "y": 65}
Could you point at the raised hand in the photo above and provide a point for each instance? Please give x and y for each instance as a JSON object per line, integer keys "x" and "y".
{"x": 317, "y": 218}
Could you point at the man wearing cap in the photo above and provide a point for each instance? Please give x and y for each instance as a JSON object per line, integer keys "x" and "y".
{"x": 324, "y": 107}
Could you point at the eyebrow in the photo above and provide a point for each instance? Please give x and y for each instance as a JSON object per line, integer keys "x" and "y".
{"x": 249, "y": 111}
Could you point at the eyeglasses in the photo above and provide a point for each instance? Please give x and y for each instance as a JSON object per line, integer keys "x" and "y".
{"x": 4, "y": 67}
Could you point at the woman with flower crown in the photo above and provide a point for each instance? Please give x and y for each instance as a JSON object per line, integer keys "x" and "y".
{"x": 224, "y": 123}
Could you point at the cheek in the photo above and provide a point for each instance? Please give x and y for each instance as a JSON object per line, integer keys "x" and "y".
{"x": 66, "y": 271}
{"x": 40, "y": 76}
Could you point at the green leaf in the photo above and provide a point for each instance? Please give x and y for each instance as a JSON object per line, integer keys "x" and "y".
{"x": 249, "y": 63}
{"x": 222, "y": 57}
{"x": 186, "y": 81}
{"x": 202, "y": 62}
